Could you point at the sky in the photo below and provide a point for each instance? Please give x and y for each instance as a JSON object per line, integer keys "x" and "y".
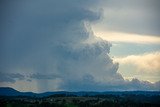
{"x": 80, "y": 45}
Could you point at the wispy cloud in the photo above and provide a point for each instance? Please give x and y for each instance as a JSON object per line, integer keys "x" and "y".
{"x": 128, "y": 38}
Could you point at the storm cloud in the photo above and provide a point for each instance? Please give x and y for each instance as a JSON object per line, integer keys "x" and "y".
{"x": 51, "y": 42}
{"x": 11, "y": 77}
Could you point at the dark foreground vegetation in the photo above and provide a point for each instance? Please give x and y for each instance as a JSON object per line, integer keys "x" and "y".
{"x": 63, "y": 100}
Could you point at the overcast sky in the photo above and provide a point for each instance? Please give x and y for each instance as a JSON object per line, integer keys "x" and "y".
{"x": 80, "y": 45}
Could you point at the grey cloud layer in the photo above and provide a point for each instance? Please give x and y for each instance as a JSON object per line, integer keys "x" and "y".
{"x": 11, "y": 77}
{"x": 131, "y": 16}
{"x": 43, "y": 76}
{"x": 51, "y": 42}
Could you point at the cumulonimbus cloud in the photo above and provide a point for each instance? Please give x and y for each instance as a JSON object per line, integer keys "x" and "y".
{"x": 54, "y": 37}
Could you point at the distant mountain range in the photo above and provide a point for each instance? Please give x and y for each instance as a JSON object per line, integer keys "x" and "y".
{"x": 7, "y": 91}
